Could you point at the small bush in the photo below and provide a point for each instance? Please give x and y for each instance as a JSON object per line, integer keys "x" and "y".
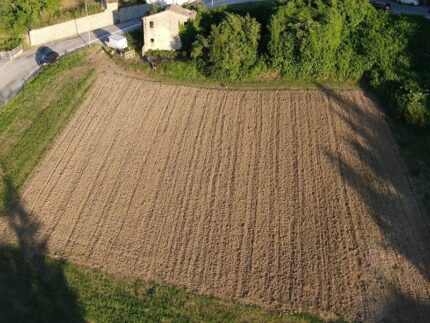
{"x": 181, "y": 70}
{"x": 412, "y": 104}
{"x": 162, "y": 54}
{"x": 10, "y": 43}
{"x": 135, "y": 40}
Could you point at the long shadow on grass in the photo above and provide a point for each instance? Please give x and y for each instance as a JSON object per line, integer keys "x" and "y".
{"x": 383, "y": 186}
{"x": 32, "y": 288}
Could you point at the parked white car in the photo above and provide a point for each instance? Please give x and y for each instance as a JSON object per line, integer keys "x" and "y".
{"x": 410, "y": 2}
{"x": 117, "y": 42}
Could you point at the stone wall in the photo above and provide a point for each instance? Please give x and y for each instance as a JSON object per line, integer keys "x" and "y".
{"x": 72, "y": 28}
{"x": 134, "y": 12}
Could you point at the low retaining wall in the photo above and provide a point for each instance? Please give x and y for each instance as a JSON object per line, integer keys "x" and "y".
{"x": 82, "y": 25}
{"x": 71, "y": 28}
{"x": 10, "y": 55}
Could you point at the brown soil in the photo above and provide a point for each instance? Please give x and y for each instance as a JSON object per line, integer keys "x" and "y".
{"x": 295, "y": 200}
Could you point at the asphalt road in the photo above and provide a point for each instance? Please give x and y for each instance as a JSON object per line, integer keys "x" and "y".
{"x": 397, "y": 8}
{"x": 15, "y": 73}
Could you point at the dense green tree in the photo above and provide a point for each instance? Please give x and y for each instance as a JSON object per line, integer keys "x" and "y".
{"x": 315, "y": 39}
{"x": 231, "y": 48}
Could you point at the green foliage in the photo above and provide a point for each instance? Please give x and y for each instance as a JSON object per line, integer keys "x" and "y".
{"x": 135, "y": 40}
{"x": 51, "y": 17}
{"x": 316, "y": 42}
{"x": 208, "y": 18}
{"x": 188, "y": 33}
{"x": 399, "y": 72}
{"x": 18, "y": 15}
{"x": 262, "y": 11}
{"x": 181, "y": 71}
{"x": 412, "y": 101}
{"x": 327, "y": 41}
{"x": 230, "y": 50}
{"x": 334, "y": 40}
{"x": 155, "y": 9}
{"x": 161, "y": 54}
{"x": 10, "y": 42}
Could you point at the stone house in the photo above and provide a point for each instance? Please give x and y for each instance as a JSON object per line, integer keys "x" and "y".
{"x": 161, "y": 30}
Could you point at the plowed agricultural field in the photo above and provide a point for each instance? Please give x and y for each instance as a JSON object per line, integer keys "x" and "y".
{"x": 294, "y": 200}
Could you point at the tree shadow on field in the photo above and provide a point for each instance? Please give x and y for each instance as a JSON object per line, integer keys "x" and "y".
{"x": 32, "y": 287}
{"x": 385, "y": 189}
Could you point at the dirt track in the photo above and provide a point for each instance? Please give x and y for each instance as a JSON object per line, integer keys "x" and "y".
{"x": 294, "y": 200}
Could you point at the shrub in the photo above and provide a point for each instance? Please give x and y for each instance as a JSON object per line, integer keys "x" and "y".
{"x": 162, "y": 54}
{"x": 135, "y": 40}
{"x": 9, "y": 43}
{"x": 188, "y": 33}
{"x": 181, "y": 70}
{"x": 412, "y": 104}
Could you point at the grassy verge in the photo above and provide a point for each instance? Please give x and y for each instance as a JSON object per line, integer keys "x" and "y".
{"x": 31, "y": 121}
{"x": 53, "y": 291}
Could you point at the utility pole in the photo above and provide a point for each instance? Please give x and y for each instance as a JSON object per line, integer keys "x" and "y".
{"x": 89, "y": 33}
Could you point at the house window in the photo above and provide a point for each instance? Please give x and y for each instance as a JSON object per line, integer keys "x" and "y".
{"x": 151, "y": 24}
{"x": 152, "y": 40}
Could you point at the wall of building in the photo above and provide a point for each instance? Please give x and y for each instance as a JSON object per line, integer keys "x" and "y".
{"x": 164, "y": 33}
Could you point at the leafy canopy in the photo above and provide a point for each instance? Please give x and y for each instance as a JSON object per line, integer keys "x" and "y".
{"x": 231, "y": 48}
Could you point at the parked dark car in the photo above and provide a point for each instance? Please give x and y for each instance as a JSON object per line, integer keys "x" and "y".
{"x": 46, "y": 56}
{"x": 382, "y": 5}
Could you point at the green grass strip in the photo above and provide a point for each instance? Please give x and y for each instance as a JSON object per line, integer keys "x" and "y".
{"x": 31, "y": 121}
